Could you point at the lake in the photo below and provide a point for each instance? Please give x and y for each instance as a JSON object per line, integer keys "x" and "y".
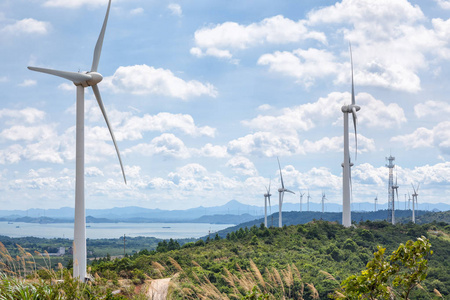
{"x": 112, "y": 230}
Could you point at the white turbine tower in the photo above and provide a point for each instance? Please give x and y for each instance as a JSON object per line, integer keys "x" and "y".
{"x": 301, "y": 200}
{"x": 281, "y": 191}
{"x": 394, "y": 188}
{"x": 323, "y": 202}
{"x": 266, "y": 197}
{"x": 416, "y": 193}
{"x": 82, "y": 80}
{"x": 346, "y": 178}
{"x": 309, "y": 197}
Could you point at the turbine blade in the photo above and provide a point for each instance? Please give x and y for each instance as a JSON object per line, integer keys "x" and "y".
{"x": 282, "y": 197}
{"x": 418, "y": 187}
{"x": 98, "y": 46}
{"x": 281, "y": 174}
{"x": 289, "y": 191}
{"x": 413, "y": 188}
{"x": 396, "y": 191}
{"x": 102, "y": 108}
{"x": 355, "y": 118}
{"x": 270, "y": 181}
{"x": 270, "y": 206}
{"x": 72, "y": 76}
{"x": 353, "y": 87}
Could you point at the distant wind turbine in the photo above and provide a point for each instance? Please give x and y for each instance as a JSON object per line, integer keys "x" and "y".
{"x": 346, "y": 178}
{"x": 301, "y": 200}
{"x": 376, "y": 200}
{"x": 281, "y": 191}
{"x": 81, "y": 81}
{"x": 416, "y": 193}
{"x": 394, "y": 188}
{"x": 308, "y": 198}
{"x": 323, "y": 202}
{"x": 267, "y": 197}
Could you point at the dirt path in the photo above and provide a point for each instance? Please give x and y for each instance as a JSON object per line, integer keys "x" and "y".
{"x": 158, "y": 289}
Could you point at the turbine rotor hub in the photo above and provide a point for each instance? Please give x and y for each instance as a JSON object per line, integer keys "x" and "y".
{"x": 348, "y": 108}
{"x": 96, "y": 78}
{"x": 280, "y": 190}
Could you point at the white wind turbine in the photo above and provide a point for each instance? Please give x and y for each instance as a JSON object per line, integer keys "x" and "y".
{"x": 81, "y": 81}
{"x": 323, "y": 202}
{"x": 281, "y": 191}
{"x": 346, "y": 178}
{"x": 301, "y": 200}
{"x": 416, "y": 193}
{"x": 394, "y": 187}
{"x": 267, "y": 197}
{"x": 375, "y": 201}
{"x": 309, "y": 197}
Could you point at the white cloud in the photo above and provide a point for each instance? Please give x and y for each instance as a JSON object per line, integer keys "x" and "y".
{"x": 233, "y": 36}
{"x": 29, "y": 115}
{"x": 27, "y": 26}
{"x": 242, "y": 165}
{"x": 3, "y": 79}
{"x": 444, "y": 4}
{"x": 433, "y": 109}
{"x": 133, "y": 127}
{"x": 75, "y": 3}
{"x": 438, "y": 136}
{"x": 28, "y": 82}
{"x": 93, "y": 172}
{"x": 336, "y": 144}
{"x": 167, "y": 145}
{"x": 146, "y": 80}
{"x": 304, "y": 65}
{"x": 26, "y": 133}
{"x": 266, "y": 144}
{"x": 390, "y": 41}
{"x": 175, "y": 9}
{"x": 137, "y": 11}
{"x": 210, "y": 150}
{"x": 374, "y": 113}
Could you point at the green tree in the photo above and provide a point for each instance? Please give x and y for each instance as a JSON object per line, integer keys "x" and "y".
{"x": 394, "y": 278}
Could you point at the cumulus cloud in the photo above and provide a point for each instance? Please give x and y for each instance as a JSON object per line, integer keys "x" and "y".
{"x": 29, "y": 115}
{"x": 389, "y": 38}
{"x": 438, "y": 136}
{"x": 242, "y": 166}
{"x": 210, "y": 150}
{"x": 93, "y": 172}
{"x": 327, "y": 110}
{"x": 28, "y": 82}
{"x": 266, "y": 144}
{"x": 336, "y": 144}
{"x": 444, "y": 4}
{"x": 75, "y": 3}
{"x": 133, "y": 127}
{"x": 220, "y": 39}
{"x": 175, "y": 9}
{"x": 146, "y": 80}
{"x": 433, "y": 109}
{"x": 304, "y": 65}
{"x": 27, "y": 26}
{"x": 28, "y": 133}
{"x": 167, "y": 145}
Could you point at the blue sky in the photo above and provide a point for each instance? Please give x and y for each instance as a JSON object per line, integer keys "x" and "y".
{"x": 204, "y": 95}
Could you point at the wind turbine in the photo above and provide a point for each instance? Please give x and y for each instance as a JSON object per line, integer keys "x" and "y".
{"x": 394, "y": 187}
{"x": 281, "y": 191}
{"x": 301, "y": 200}
{"x": 81, "y": 81}
{"x": 346, "y": 178}
{"x": 323, "y": 202}
{"x": 309, "y": 197}
{"x": 376, "y": 200}
{"x": 416, "y": 193}
{"x": 266, "y": 196}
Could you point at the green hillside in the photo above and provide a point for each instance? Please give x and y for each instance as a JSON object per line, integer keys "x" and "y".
{"x": 298, "y": 261}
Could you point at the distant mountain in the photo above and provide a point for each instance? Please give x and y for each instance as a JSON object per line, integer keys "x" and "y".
{"x": 233, "y": 207}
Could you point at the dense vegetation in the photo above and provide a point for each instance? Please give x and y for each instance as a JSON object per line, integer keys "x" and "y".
{"x": 308, "y": 261}
{"x": 313, "y": 258}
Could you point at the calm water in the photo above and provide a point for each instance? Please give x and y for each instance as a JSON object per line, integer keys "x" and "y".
{"x": 112, "y": 230}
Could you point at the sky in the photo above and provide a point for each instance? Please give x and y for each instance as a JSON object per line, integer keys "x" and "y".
{"x": 203, "y": 96}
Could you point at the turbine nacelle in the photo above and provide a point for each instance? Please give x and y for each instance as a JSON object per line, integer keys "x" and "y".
{"x": 96, "y": 78}
{"x": 351, "y": 108}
